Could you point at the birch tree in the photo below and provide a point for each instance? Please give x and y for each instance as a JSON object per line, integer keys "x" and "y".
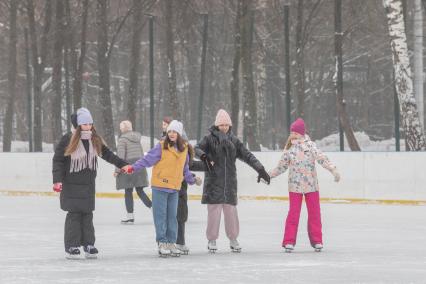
{"x": 403, "y": 78}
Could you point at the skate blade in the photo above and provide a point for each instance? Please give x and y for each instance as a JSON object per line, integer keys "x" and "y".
{"x": 318, "y": 250}
{"x": 288, "y": 250}
{"x": 91, "y": 256}
{"x": 127, "y": 223}
{"x": 175, "y": 254}
{"x": 212, "y": 251}
{"x": 72, "y": 256}
{"x": 235, "y": 250}
{"x": 163, "y": 255}
{"x": 184, "y": 252}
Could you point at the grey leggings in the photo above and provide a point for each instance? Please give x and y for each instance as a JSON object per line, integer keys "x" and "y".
{"x": 128, "y": 197}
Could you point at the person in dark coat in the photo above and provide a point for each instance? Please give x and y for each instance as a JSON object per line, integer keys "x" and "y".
{"x": 219, "y": 150}
{"x": 74, "y": 168}
{"x": 129, "y": 148}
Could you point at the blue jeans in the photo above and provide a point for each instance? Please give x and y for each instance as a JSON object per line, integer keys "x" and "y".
{"x": 164, "y": 209}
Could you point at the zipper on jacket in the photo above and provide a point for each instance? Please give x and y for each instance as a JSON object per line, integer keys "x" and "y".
{"x": 224, "y": 188}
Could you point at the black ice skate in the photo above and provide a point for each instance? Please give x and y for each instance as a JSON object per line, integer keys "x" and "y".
{"x": 72, "y": 253}
{"x": 91, "y": 252}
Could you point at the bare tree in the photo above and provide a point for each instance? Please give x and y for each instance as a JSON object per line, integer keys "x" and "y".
{"x": 173, "y": 100}
{"x": 250, "y": 101}
{"x": 11, "y": 76}
{"x": 403, "y": 78}
{"x": 39, "y": 62}
{"x": 57, "y": 72}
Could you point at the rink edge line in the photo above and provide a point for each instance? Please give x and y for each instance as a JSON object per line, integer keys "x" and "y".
{"x": 243, "y": 197}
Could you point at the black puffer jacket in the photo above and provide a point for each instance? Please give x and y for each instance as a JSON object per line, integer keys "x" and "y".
{"x": 78, "y": 189}
{"x": 220, "y": 185}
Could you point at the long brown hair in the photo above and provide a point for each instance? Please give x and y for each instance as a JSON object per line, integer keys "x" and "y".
{"x": 180, "y": 143}
{"x": 97, "y": 141}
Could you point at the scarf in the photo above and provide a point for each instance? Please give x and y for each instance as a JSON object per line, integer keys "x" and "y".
{"x": 80, "y": 159}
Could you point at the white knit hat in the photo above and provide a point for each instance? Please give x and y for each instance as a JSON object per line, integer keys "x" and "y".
{"x": 176, "y": 126}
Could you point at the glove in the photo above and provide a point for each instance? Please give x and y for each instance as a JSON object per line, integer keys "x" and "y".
{"x": 263, "y": 175}
{"x": 198, "y": 181}
{"x": 57, "y": 187}
{"x": 336, "y": 175}
{"x": 207, "y": 162}
{"x": 127, "y": 169}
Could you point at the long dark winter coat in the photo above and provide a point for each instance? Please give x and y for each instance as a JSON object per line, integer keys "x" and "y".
{"x": 129, "y": 149}
{"x": 220, "y": 185}
{"x": 78, "y": 189}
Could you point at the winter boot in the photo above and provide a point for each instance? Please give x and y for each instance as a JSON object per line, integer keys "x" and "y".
{"x": 183, "y": 249}
{"x": 289, "y": 247}
{"x": 90, "y": 252}
{"x": 163, "y": 250}
{"x": 235, "y": 246}
{"x": 174, "y": 251}
{"x": 212, "y": 246}
{"x": 72, "y": 253}
{"x": 129, "y": 220}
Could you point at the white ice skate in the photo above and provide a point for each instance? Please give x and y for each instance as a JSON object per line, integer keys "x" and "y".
{"x": 289, "y": 248}
{"x": 163, "y": 250}
{"x": 235, "y": 246}
{"x": 73, "y": 253}
{"x": 318, "y": 247}
{"x": 174, "y": 251}
{"x": 183, "y": 249}
{"x": 130, "y": 220}
{"x": 212, "y": 246}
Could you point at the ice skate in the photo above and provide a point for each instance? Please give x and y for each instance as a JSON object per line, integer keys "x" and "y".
{"x": 289, "y": 248}
{"x": 90, "y": 252}
{"x": 174, "y": 251}
{"x": 318, "y": 247}
{"x": 130, "y": 220}
{"x": 183, "y": 249}
{"x": 73, "y": 253}
{"x": 163, "y": 250}
{"x": 235, "y": 246}
{"x": 211, "y": 246}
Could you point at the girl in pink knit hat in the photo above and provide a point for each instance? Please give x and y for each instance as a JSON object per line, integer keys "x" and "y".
{"x": 299, "y": 156}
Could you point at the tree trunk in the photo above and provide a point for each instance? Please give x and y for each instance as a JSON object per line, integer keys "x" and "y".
{"x": 300, "y": 69}
{"x": 343, "y": 116}
{"x": 38, "y": 66}
{"x": 250, "y": 102}
{"x": 57, "y": 73}
{"x": 134, "y": 62}
{"x": 235, "y": 80}
{"x": 173, "y": 100}
{"x": 418, "y": 58}
{"x": 11, "y": 76}
{"x": 104, "y": 74}
{"x": 78, "y": 70}
{"x": 403, "y": 83}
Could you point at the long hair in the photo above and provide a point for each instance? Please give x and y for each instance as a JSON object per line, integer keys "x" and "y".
{"x": 97, "y": 141}
{"x": 180, "y": 143}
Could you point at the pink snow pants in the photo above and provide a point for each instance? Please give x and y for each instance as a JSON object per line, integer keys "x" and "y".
{"x": 314, "y": 218}
{"x": 232, "y": 225}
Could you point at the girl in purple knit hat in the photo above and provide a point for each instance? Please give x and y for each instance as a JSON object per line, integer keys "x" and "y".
{"x": 299, "y": 156}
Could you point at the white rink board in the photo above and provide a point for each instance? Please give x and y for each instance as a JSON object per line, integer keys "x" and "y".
{"x": 365, "y": 175}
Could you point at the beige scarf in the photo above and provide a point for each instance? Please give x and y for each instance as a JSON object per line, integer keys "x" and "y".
{"x": 80, "y": 159}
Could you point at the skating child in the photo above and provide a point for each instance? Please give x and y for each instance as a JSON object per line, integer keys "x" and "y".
{"x": 169, "y": 159}
{"x": 74, "y": 173}
{"x": 299, "y": 156}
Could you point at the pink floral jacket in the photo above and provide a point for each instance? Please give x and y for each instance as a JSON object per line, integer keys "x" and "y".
{"x": 300, "y": 158}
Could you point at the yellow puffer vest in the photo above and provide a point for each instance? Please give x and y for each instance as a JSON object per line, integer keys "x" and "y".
{"x": 168, "y": 172}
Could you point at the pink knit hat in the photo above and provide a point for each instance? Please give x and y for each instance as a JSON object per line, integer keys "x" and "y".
{"x": 222, "y": 118}
{"x": 298, "y": 126}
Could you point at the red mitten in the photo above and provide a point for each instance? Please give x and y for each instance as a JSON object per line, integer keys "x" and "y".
{"x": 129, "y": 170}
{"x": 57, "y": 187}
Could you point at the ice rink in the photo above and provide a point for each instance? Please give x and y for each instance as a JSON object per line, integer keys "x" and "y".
{"x": 363, "y": 243}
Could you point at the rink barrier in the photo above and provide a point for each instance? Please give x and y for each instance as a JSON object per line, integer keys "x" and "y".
{"x": 263, "y": 198}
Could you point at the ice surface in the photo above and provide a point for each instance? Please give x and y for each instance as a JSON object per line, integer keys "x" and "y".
{"x": 363, "y": 243}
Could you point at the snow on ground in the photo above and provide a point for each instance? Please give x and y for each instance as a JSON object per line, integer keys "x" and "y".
{"x": 329, "y": 143}
{"x": 363, "y": 244}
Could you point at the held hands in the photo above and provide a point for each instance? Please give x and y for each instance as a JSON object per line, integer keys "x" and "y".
{"x": 198, "y": 181}
{"x": 336, "y": 175}
{"x": 127, "y": 169}
{"x": 57, "y": 187}
{"x": 263, "y": 175}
